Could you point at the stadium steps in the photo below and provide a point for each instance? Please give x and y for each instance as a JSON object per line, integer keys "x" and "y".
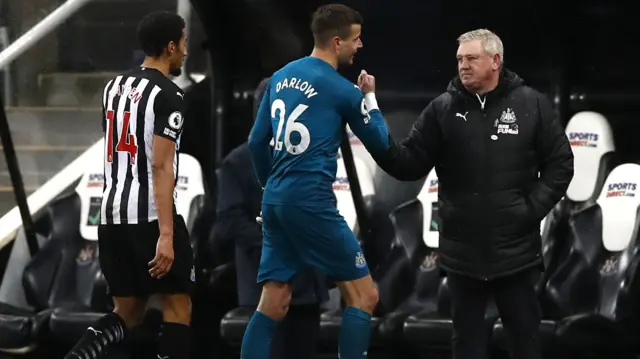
{"x": 73, "y": 89}
{"x": 46, "y": 139}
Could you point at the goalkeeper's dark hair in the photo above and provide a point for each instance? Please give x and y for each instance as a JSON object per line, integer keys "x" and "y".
{"x": 157, "y": 29}
{"x": 333, "y": 20}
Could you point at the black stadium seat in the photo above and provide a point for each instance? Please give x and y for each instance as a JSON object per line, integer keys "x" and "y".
{"x": 234, "y": 324}
{"x": 46, "y": 278}
{"x": 20, "y": 328}
{"x": 190, "y": 189}
{"x": 416, "y": 223}
{"x": 69, "y": 320}
{"x": 595, "y": 291}
{"x": 593, "y": 148}
{"x": 85, "y": 289}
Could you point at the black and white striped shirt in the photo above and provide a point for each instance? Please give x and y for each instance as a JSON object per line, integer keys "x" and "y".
{"x": 137, "y": 105}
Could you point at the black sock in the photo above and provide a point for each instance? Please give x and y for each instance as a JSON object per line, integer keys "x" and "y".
{"x": 142, "y": 342}
{"x": 95, "y": 342}
{"x": 174, "y": 341}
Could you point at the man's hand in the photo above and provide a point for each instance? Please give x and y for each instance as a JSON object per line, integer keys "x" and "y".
{"x": 161, "y": 264}
{"x": 366, "y": 82}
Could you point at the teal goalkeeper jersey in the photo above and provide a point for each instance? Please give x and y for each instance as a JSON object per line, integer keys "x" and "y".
{"x": 298, "y": 130}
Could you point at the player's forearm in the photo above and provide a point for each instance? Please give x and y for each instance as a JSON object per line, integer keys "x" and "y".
{"x": 412, "y": 158}
{"x": 376, "y": 139}
{"x": 163, "y": 184}
{"x": 374, "y": 134}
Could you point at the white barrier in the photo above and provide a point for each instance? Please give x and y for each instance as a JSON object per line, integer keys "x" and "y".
{"x": 89, "y": 168}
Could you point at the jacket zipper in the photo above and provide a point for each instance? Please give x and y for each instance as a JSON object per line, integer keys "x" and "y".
{"x": 483, "y": 102}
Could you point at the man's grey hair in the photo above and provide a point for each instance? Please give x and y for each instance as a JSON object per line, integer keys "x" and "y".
{"x": 491, "y": 42}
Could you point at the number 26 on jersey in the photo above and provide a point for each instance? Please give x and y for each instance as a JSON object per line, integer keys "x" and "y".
{"x": 126, "y": 143}
{"x": 291, "y": 126}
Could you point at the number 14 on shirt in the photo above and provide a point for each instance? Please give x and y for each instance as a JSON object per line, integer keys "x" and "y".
{"x": 127, "y": 142}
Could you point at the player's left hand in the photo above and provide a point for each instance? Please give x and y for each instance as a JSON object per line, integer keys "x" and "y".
{"x": 366, "y": 82}
{"x": 161, "y": 264}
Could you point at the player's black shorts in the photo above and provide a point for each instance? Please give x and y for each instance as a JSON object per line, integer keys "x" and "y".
{"x": 127, "y": 249}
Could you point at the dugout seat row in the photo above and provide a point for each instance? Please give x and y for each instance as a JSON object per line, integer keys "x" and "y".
{"x": 591, "y": 140}
{"x": 589, "y": 288}
{"x": 414, "y": 304}
{"x": 593, "y": 146}
{"x": 595, "y": 290}
{"x": 46, "y": 279}
{"x": 63, "y": 283}
{"x": 594, "y": 295}
{"x": 428, "y": 328}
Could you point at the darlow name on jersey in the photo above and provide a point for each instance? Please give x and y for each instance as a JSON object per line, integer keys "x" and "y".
{"x": 297, "y": 84}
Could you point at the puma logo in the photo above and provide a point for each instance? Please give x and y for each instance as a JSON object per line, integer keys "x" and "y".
{"x": 96, "y": 332}
{"x": 159, "y": 357}
{"x": 181, "y": 95}
{"x": 464, "y": 117}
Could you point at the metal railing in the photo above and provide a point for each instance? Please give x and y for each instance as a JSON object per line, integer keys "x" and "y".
{"x": 4, "y": 43}
{"x": 40, "y": 30}
{"x": 17, "y": 48}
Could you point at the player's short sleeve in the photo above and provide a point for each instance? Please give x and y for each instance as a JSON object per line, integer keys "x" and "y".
{"x": 168, "y": 112}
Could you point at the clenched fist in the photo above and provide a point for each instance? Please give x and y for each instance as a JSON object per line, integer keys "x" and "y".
{"x": 366, "y": 82}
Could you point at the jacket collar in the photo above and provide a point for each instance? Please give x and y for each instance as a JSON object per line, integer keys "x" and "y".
{"x": 507, "y": 81}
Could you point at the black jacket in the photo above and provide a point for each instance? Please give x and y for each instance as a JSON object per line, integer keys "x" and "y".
{"x": 239, "y": 202}
{"x": 488, "y": 151}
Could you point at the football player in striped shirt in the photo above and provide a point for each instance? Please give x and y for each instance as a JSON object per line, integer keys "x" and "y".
{"x": 144, "y": 244}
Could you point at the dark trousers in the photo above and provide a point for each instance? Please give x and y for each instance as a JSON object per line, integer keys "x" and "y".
{"x": 295, "y": 337}
{"x": 518, "y": 306}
